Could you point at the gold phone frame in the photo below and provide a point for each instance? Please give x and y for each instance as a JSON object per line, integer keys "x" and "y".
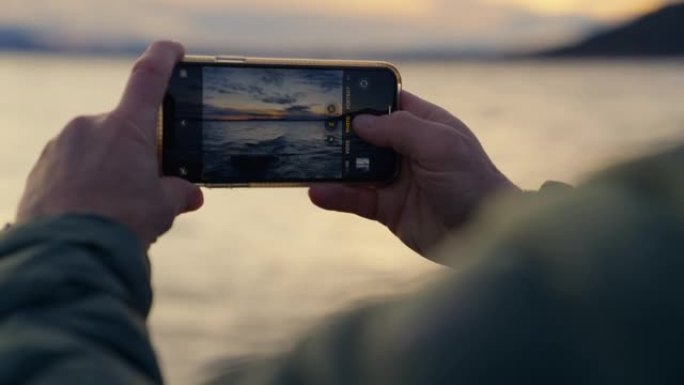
{"x": 265, "y": 61}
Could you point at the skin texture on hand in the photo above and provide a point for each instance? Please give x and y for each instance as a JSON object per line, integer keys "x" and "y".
{"x": 445, "y": 175}
{"x": 106, "y": 165}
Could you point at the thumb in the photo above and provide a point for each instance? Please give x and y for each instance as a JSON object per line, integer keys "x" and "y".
{"x": 403, "y": 131}
{"x": 184, "y": 196}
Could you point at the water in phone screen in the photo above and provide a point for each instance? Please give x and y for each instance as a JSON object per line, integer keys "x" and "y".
{"x": 272, "y": 124}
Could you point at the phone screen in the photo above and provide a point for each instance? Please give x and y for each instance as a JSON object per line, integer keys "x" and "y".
{"x": 233, "y": 124}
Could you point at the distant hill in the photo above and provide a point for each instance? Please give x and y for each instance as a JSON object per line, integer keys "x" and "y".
{"x": 20, "y": 39}
{"x": 660, "y": 33}
{"x": 15, "y": 38}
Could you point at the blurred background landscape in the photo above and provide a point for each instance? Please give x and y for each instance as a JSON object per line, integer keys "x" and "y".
{"x": 554, "y": 89}
{"x": 401, "y": 29}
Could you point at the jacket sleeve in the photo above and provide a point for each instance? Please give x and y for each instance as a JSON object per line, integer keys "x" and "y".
{"x": 565, "y": 287}
{"x": 74, "y": 296}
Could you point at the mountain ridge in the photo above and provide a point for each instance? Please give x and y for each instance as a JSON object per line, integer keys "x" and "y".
{"x": 659, "y": 33}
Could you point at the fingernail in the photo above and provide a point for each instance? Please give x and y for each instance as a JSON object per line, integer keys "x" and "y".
{"x": 364, "y": 121}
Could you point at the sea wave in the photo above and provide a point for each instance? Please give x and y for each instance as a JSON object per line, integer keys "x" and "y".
{"x": 261, "y": 150}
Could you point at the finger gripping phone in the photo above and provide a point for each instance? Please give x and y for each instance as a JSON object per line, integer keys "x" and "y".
{"x": 229, "y": 121}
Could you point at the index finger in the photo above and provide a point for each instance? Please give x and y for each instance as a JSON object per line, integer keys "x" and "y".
{"x": 426, "y": 110}
{"x": 148, "y": 81}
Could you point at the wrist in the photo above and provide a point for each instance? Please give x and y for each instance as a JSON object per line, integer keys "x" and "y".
{"x": 82, "y": 227}
{"x": 87, "y": 238}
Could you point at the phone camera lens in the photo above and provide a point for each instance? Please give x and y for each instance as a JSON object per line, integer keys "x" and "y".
{"x": 364, "y": 83}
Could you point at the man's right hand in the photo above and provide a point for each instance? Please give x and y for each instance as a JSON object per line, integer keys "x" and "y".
{"x": 445, "y": 175}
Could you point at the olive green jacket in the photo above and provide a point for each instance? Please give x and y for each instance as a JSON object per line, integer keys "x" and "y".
{"x": 581, "y": 286}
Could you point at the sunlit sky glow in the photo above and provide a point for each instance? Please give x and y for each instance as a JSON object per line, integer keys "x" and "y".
{"x": 610, "y": 10}
{"x": 233, "y": 25}
{"x": 235, "y": 94}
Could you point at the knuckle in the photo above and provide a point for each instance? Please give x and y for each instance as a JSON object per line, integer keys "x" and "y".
{"x": 440, "y": 114}
{"x": 169, "y": 45}
{"x": 118, "y": 121}
{"x": 449, "y": 141}
{"x": 401, "y": 116}
{"x": 78, "y": 125}
{"x": 164, "y": 45}
{"x": 124, "y": 127}
{"x": 80, "y": 122}
{"x": 398, "y": 120}
{"x": 147, "y": 67}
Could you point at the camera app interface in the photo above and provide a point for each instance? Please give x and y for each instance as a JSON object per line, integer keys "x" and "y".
{"x": 272, "y": 124}
{"x": 259, "y": 124}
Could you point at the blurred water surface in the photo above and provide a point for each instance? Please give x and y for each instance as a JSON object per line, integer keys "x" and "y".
{"x": 257, "y": 268}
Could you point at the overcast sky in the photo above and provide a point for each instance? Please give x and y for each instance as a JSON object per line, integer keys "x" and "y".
{"x": 234, "y": 25}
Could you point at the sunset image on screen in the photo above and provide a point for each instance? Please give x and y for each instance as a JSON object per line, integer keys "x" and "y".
{"x": 271, "y": 123}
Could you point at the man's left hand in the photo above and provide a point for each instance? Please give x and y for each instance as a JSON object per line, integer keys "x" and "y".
{"x": 106, "y": 165}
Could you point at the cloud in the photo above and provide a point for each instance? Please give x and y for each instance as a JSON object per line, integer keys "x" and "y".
{"x": 280, "y": 99}
{"x": 298, "y": 109}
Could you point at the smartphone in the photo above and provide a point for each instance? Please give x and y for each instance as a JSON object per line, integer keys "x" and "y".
{"x": 233, "y": 121}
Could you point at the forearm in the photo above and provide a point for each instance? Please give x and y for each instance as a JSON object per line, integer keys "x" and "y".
{"x": 75, "y": 297}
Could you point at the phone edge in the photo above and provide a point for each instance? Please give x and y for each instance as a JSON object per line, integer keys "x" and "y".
{"x": 280, "y": 61}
